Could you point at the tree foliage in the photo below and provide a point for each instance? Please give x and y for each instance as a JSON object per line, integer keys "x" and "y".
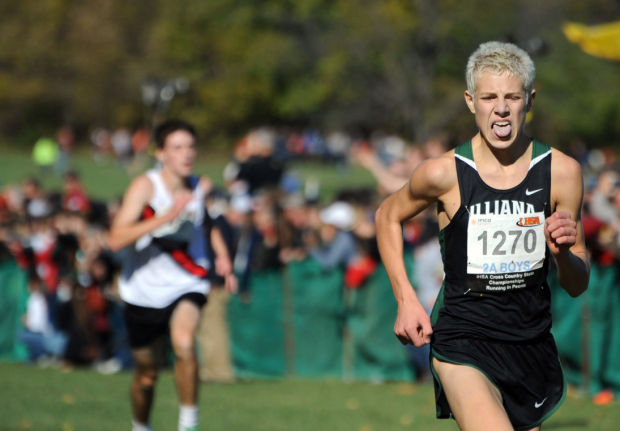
{"x": 357, "y": 65}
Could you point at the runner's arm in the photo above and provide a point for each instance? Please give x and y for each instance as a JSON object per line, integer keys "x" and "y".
{"x": 563, "y": 229}
{"x": 428, "y": 182}
{"x": 127, "y": 226}
{"x": 223, "y": 262}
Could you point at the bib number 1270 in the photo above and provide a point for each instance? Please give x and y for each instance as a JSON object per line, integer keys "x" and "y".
{"x": 503, "y": 243}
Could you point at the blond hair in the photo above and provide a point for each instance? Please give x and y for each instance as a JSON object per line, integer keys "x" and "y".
{"x": 499, "y": 57}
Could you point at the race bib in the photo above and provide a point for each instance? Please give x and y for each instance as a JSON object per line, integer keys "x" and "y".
{"x": 505, "y": 251}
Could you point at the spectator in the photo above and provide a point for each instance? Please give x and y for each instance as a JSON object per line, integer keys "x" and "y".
{"x": 121, "y": 144}
{"x": 336, "y": 246}
{"x": 140, "y": 141}
{"x": 392, "y": 176}
{"x": 74, "y": 197}
{"x": 255, "y": 164}
{"x": 601, "y": 203}
{"x": 43, "y": 342}
{"x": 102, "y": 144}
{"x": 294, "y": 228}
{"x": 34, "y": 201}
{"x": 66, "y": 142}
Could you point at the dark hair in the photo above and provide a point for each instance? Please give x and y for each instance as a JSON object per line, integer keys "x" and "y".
{"x": 167, "y": 127}
{"x": 71, "y": 175}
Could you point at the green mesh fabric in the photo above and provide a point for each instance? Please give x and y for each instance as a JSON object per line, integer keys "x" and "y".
{"x": 256, "y": 328}
{"x": 377, "y": 353}
{"x": 587, "y": 330}
{"x": 304, "y": 322}
{"x": 600, "y": 291}
{"x": 307, "y": 324}
{"x": 610, "y": 375}
{"x": 318, "y": 312}
{"x": 13, "y": 297}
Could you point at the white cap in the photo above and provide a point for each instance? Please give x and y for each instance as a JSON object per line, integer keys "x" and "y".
{"x": 339, "y": 214}
{"x": 241, "y": 203}
{"x": 39, "y": 207}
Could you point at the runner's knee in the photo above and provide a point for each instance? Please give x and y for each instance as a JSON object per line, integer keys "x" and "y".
{"x": 183, "y": 346}
{"x": 146, "y": 379}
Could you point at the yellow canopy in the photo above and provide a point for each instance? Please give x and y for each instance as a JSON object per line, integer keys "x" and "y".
{"x": 598, "y": 40}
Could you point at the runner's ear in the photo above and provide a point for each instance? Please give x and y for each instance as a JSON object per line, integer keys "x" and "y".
{"x": 469, "y": 100}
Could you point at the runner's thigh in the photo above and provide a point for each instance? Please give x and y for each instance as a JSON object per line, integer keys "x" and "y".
{"x": 475, "y": 402}
{"x": 184, "y": 324}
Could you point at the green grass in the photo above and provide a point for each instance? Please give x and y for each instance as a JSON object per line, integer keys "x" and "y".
{"x": 33, "y": 398}
{"x": 107, "y": 180}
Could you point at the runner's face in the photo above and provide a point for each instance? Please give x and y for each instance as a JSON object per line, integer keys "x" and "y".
{"x": 179, "y": 153}
{"x": 499, "y": 105}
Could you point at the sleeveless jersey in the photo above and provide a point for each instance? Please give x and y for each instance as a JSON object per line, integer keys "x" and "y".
{"x": 495, "y": 257}
{"x": 172, "y": 260}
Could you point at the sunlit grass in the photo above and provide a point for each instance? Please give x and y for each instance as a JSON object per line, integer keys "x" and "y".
{"x": 33, "y": 398}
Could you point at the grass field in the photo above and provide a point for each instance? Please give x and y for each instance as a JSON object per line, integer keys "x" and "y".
{"x": 40, "y": 399}
{"x": 107, "y": 180}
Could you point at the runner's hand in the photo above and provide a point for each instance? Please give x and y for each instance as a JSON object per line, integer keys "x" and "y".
{"x": 180, "y": 202}
{"x": 560, "y": 232}
{"x": 231, "y": 284}
{"x": 413, "y": 324}
{"x": 223, "y": 266}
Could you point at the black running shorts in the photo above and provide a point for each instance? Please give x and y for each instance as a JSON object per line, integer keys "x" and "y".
{"x": 145, "y": 325}
{"x": 528, "y": 375}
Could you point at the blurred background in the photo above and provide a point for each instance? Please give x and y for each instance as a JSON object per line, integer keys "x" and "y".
{"x": 309, "y": 113}
{"x": 360, "y": 66}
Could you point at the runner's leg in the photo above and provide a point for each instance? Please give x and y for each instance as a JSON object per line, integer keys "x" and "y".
{"x": 143, "y": 384}
{"x": 183, "y": 326}
{"x": 475, "y": 402}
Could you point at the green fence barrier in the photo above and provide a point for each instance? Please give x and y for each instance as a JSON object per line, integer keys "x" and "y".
{"x": 587, "y": 330}
{"x": 13, "y": 297}
{"x": 599, "y": 294}
{"x": 317, "y": 299}
{"x": 610, "y": 374}
{"x": 303, "y": 322}
{"x": 567, "y": 328}
{"x": 377, "y": 353}
{"x": 257, "y": 329}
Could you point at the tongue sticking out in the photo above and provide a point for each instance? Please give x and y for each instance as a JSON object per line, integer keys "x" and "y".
{"x": 502, "y": 130}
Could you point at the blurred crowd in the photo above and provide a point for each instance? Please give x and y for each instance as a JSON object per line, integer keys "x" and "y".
{"x": 268, "y": 216}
